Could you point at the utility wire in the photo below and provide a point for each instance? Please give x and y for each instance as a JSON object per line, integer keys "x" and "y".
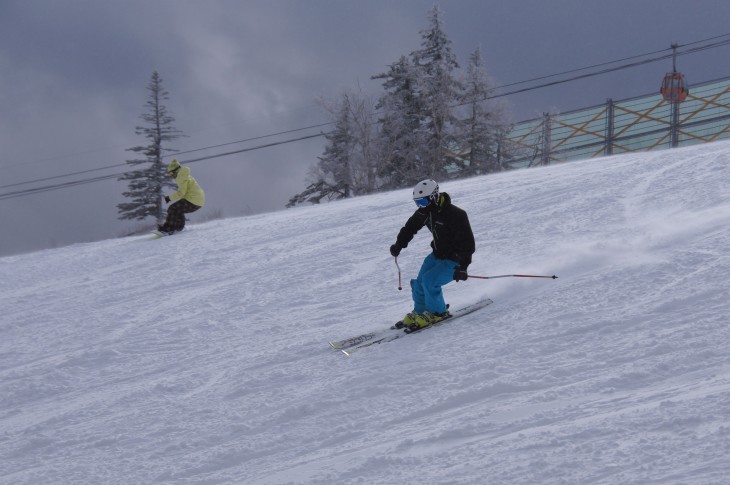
{"x": 20, "y": 193}
{"x": 175, "y": 154}
{"x": 615, "y": 61}
{"x": 254, "y": 138}
{"x": 603, "y": 71}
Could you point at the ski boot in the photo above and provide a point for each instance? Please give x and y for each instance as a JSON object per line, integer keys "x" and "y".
{"x": 425, "y": 320}
{"x": 407, "y": 320}
{"x": 163, "y": 231}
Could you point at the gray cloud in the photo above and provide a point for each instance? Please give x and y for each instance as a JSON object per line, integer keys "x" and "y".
{"x": 73, "y": 77}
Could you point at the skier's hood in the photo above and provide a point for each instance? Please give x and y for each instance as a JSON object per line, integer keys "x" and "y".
{"x": 444, "y": 200}
{"x": 174, "y": 165}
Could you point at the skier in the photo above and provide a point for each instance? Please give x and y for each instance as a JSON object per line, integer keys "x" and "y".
{"x": 189, "y": 198}
{"x": 452, "y": 244}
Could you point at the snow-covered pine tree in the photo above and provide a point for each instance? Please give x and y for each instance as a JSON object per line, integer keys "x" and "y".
{"x": 438, "y": 92}
{"x": 481, "y": 129}
{"x": 401, "y": 135}
{"x": 146, "y": 184}
{"x": 336, "y": 161}
{"x": 331, "y": 177}
{"x": 347, "y": 166}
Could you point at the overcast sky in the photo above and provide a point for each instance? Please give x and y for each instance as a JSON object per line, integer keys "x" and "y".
{"x": 73, "y": 79}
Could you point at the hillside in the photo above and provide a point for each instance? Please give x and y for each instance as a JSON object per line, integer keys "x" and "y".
{"x": 203, "y": 357}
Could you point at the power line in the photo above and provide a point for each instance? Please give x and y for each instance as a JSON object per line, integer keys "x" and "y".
{"x": 607, "y": 70}
{"x": 61, "y": 176}
{"x": 37, "y": 190}
{"x": 175, "y": 154}
{"x": 615, "y": 61}
{"x": 584, "y": 76}
{"x": 255, "y": 138}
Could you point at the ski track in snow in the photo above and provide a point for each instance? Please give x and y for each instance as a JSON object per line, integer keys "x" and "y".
{"x": 203, "y": 357}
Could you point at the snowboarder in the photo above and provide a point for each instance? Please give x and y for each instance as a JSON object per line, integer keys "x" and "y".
{"x": 452, "y": 244}
{"x": 189, "y": 198}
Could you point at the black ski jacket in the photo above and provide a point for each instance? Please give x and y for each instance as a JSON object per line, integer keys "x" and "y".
{"x": 449, "y": 225}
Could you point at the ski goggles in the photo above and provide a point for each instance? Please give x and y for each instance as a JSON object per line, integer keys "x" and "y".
{"x": 422, "y": 202}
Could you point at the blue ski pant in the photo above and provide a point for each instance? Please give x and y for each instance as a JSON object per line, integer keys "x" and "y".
{"x": 426, "y": 288}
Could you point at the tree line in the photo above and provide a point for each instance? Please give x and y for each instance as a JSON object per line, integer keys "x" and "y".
{"x": 433, "y": 120}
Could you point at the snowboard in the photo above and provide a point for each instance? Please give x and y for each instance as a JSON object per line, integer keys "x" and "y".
{"x": 358, "y": 342}
{"x": 159, "y": 234}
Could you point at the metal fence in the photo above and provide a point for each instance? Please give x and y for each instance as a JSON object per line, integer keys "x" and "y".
{"x": 630, "y": 125}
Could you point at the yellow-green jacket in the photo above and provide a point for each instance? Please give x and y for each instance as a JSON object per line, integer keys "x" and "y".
{"x": 188, "y": 188}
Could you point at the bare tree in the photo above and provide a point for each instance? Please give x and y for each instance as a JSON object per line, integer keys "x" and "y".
{"x": 348, "y": 164}
{"x": 481, "y": 130}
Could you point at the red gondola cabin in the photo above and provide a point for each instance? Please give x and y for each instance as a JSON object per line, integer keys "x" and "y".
{"x": 674, "y": 89}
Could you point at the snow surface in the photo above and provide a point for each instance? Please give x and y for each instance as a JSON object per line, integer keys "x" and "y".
{"x": 203, "y": 357}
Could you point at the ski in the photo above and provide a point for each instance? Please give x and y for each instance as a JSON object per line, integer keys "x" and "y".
{"x": 359, "y": 342}
{"x": 365, "y": 337}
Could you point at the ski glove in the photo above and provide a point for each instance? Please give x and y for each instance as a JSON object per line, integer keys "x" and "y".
{"x": 460, "y": 274}
{"x": 167, "y": 199}
{"x": 395, "y": 250}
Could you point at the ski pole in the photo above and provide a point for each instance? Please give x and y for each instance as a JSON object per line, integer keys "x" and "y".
{"x": 400, "y": 287}
{"x": 511, "y": 276}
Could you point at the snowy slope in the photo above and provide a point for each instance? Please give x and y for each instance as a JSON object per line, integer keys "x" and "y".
{"x": 203, "y": 358}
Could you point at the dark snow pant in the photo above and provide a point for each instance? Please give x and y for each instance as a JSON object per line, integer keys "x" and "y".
{"x": 176, "y": 215}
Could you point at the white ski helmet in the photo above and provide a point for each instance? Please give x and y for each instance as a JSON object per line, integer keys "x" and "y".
{"x": 426, "y": 188}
